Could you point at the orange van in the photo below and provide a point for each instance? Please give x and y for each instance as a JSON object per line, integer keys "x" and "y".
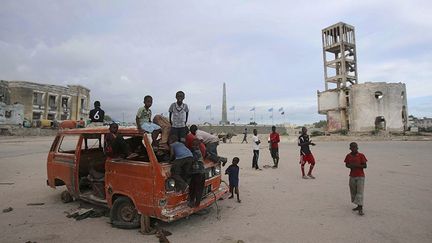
{"x": 131, "y": 189}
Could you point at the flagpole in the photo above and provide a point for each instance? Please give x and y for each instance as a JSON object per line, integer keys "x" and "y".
{"x": 272, "y": 117}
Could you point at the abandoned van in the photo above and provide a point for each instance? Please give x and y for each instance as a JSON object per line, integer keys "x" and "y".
{"x": 131, "y": 189}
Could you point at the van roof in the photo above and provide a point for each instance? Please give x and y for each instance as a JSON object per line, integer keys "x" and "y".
{"x": 100, "y": 130}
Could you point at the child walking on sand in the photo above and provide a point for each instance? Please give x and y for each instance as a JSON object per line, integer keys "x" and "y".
{"x": 356, "y": 162}
{"x": 233, "y": 175}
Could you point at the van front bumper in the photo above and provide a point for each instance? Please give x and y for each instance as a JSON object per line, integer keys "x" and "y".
{"x": 183, "y": 210}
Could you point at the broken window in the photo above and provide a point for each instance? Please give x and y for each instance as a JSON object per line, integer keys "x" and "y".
{"x": 8, "y": 114}
{"x": 36, "y": 116}
{"x": 64, "y": 102}
{"x": 380, "y": 123}
{"x": 37, "y": 98}
{"x": 402, "y": 95}
{"x": 52, "y": 102}
{"x": 51, "y": 116}
{"x": 378, "y": 95}
{"x": 64, "y": 116}
{"x": 68, "y": 144}
{"x": 82, "y": 104}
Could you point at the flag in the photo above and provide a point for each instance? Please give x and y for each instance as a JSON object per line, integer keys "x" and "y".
{"x": 283, "y": 113}
{"x": 208, "y": 107}
{"x": 280, "y": 109}
{"x": 252, "y": 109}
{"x": 232, "y": 108}
{"x": 270, "y": 110}
{"x": 238, "y": 119}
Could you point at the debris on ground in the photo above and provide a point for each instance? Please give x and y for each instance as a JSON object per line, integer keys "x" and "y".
{"x": 162, "y": 234}
{"x": 83, "y": 213}
{"x": 35, "y": 204}
{"x": 7, "y": 210}
{"x": 7, "y": 183}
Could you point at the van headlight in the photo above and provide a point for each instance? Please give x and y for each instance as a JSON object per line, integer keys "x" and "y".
{"x": 170, "y": 184}
{"x": 217, "y": 170}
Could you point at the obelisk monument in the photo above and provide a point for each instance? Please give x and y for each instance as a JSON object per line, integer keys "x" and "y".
{"x": 224, "y": 120}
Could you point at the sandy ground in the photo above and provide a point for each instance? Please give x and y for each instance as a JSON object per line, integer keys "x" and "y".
{"x": 277, "y": 205}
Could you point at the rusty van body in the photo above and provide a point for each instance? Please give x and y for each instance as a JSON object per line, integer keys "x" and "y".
{"x": 129, "y": 188}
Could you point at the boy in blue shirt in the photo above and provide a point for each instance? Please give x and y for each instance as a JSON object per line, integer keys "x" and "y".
{"x": 233, "y": 175}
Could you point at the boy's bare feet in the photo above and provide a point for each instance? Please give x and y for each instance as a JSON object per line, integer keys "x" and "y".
{"x": 305, "y": 177}
{"x": 360, "y": 212}
{"x": 238, "y": 200}
{"x": 232, "y": 196}
{"x": 311, "y": 176}
{"x": 356, "y": 208}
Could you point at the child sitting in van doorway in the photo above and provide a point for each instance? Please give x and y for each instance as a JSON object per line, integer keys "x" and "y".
{"x": 233, "y": 175}
{"x": 115, "y": 145}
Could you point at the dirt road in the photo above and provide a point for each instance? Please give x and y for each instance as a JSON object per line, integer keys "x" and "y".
{"x": 277, "y": 205}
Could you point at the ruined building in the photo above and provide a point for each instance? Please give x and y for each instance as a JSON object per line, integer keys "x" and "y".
{"x": 349, "y": 105}
{"x": 21, "y": 100}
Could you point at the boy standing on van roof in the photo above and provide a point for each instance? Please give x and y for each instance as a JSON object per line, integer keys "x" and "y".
{"x": 305, "y": 153}
{"x": 356, "y": 162}
{"x": 178, "y": 116}
{"x": 143, "y": 119}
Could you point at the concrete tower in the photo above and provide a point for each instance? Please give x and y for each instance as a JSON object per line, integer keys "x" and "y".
{"x": 350, "y": 105}
{"x": 340, "y": 57}
{"x": 224, "y": 120}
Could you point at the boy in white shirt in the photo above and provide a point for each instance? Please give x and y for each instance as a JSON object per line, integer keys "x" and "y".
{"x": 255, "y": 146}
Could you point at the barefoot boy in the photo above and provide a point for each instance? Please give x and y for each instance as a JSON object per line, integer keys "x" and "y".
{"x": 356, "y": 162}
{"x": 233, "y": 175}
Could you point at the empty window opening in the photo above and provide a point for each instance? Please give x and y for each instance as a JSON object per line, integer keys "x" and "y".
{"x": 51, "y": 116}
{"x": 64, "y": 102}
{"x": 378, "y": 95}
{"x": 37, "y": 98}
{"x": 380, "y": 123}
{"x": 36, "y": 116}
{"x": 402, "y": 95}
{"x": 52, "y": 101}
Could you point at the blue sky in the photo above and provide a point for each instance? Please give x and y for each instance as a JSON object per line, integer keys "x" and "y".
{"x": 268, "y": 53}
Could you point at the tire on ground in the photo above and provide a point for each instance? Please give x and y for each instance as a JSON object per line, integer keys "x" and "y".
{"x": 124, "y": 215}
{"x": 66, "y": 197}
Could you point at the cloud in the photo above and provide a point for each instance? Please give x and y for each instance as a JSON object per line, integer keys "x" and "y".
{"x": 269, "y": 53}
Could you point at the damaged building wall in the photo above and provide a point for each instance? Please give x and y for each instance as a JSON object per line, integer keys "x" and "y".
{"x": 51, "y": 102}
{"x": 333, "y": 104}
{"x": 378, "y": 106}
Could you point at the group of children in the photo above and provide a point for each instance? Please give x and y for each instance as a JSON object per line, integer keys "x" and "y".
{"x": 187, "y": 151}
{"x": 355, "y": 161}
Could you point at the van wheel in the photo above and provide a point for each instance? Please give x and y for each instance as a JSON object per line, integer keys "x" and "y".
{"x": 66, "y": 197}
{"x": 124, "y": 214}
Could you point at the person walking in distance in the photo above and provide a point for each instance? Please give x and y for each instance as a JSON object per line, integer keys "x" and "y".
{"x": 245, "y": 136}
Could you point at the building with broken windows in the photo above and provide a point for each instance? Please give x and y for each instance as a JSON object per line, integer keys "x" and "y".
{"x": 34, "y": 102}
{"x": 348, "y": 104}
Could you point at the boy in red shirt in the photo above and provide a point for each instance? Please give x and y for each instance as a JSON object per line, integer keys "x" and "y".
{"x": 356, "y": 162}
{"x": 274, "y": 147}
